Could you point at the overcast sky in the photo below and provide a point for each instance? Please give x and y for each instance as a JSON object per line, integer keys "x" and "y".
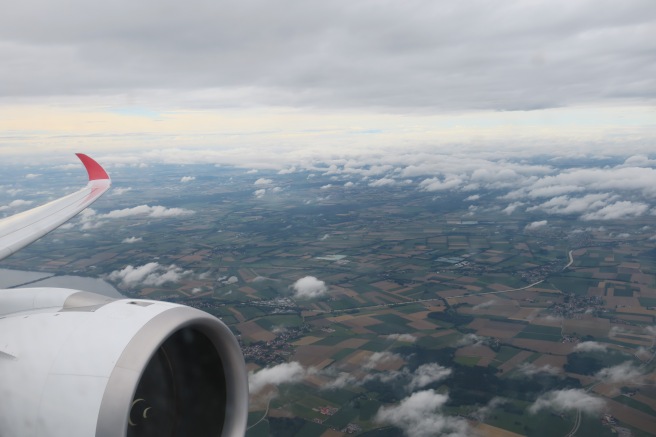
{"x": 316, "y": 77}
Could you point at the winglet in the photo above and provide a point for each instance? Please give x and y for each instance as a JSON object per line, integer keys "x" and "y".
{"x": 93, "y": 168}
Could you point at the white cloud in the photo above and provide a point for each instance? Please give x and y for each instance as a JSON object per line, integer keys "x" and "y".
{"x": 530, "y": 370}
{"x": 590, "y": 346}
{"x": 348, "y": 184}
{"x": 568, "y": 400}
{"x": 622, "y": 373}
{"x": 378, "y": 358}
{"x": 32, "y": 175}
{"x": 185, "y": 179}
{"x": 420, "y": 415}
{"x": 327, "y": 186}
{"x": 536, "y": 225}
{"x": 156, "y": 211}
{"x": 287, "y": 170}
{"x": 259, "y": 193}
{"x": 408, "y": 338}
{"x": 470, "y": 340}
{"x": 309, "y": 287}
{"x": 148, "y": 274}
{"x": 274, "y": 376}
{"x": 131, "y": 240}
{"x": 618, "y": 210}
{"x": 15, "y": 204}
{"x": 436, "y": 184}
{"x": 512, "y": 207}
{"x": 263, "y": 181}
{"x": 428, "y": 374}
{"x": 483, "y": 413}
{"x": 119, "y": 191}
{"x": 383, "y": 182}
{"x": 485, "y": 304}
{"x": 472, "y": 198}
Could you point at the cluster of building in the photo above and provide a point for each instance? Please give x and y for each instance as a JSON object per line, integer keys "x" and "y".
{"x": 279, "y": 305}
{"x": 276, "y": 351}
{"x": 540, "y": 272}
{"x": 574, "y": 306}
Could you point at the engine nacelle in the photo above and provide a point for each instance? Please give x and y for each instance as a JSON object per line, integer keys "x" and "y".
{"x": 79, "y": 364}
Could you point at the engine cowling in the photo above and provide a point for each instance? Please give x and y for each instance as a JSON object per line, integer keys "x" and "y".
{"x": 79, "y": 364}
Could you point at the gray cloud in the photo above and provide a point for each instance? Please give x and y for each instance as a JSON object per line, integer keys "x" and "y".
{"x": 409, "y": 338}
{"x": 529, "y": 370}
{"x": 339, "y": 54}
{"x": 590, "y": 346}
{"x": 622, "y": 373}
{"x": 568, "y": 400}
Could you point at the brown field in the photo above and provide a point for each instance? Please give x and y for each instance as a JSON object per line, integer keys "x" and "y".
{"x": 551, "y": 360}
{"x": 254, "y": 331}
{"x": 486, "y": 430}
{"x": 475, "y": 351}
{"x": 248, "y": 290}
{"x": 332, "y": 433}
{"x": 356, "y": 321}
{"x": 312, "y": 355}
{"x": 547, "y": 320}
{"x": 511, "y": 363}
{"x": 492, "y": 328}
{"x": 543, "y": 346}
{"x": 633, "y": 417}
{"x": 525, "y": 314}
{"x": 503, "y": 309}
{"x": 239, "y": 316}
{"x": 637, "y": 310}
{"x": 352, "y": 343}
{"x": 304, "y": 341}
{"x": 246, "y": 274}
{"x": 421, "y": 325}
{"x": 645, "y": 400}
{"x": 592, "y": 326}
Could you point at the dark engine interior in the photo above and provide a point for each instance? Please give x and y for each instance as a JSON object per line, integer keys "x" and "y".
{"x": 182, "y": 391}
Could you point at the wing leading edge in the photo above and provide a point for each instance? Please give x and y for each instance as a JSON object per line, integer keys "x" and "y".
{"x": 26, "y": 227}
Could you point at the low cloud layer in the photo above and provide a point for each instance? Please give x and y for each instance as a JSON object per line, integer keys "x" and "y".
{"x": 568, "y": 400}
{"x": 153, "y": 274}
{"x": 529, "y": 370}
{"x": 590, "y": 346}
{"x": 156, "y": 211}
{"x": 274, "y": 376}
{"x": 131, "y": 240}
{"x": 420, "y": 415}
{"x": 408, "y": 338}
{"x": 422, "y": 376}
{"x": 622, "y": 373}
{"x": 309, "y": 287}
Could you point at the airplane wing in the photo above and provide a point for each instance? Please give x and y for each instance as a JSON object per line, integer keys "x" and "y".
{"x": 26, "y": 227}
{"x": 78, "y": 364}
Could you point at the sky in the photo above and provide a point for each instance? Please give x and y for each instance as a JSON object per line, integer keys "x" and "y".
{"x": 270, "y": 83}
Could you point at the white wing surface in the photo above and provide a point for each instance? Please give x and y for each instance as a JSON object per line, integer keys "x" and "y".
{"x": 26, "y": 227}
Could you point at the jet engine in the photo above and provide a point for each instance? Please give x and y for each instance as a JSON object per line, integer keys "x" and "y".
{"x": 74, "y": 363}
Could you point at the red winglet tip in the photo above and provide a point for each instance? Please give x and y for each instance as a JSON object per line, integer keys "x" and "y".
{"x": 93, "y": 168}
